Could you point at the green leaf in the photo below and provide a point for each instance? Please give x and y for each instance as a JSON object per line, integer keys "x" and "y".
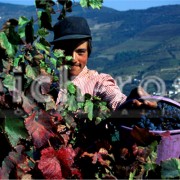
{"x": 89, "y": 108}
{"x": 170, "y": 168}
{"x": 48, "y": 70}
{"x": 58, "y": 53}
{"x": 14, "y": 127}
{"x": 71, "y": 88}
{"x": 4, "y": 44}
{"x": 150, "y": 167}
{"x": 16, "y": 60}
{"x": 9, "y": 82}
{"x": 21, "y": 28}
{"x": 42, "y": 32}
{"x": 72, "y": 104}
{"x": 55, "y": 78}
{"x": 43, "y": 45}
{"x": 83, "y": 3}
{"x": 69, "y": 58}
{"x": 45, "y": 20}
{"x": 21, "y": 32}
{"x": 53, "y": 61}
{"x": 80, "y": 105}
{"x": 91, "y": 3}
{"x": 22, "y": 21}
{"x": 98, "y": 120}
{"x": 31, "y": 72}
{"x": 132, "y": 175}
{"x": 43, "y": 64}
{"x": 29, "y": 32}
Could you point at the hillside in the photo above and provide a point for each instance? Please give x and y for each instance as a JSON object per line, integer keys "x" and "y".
{"x": 136, "y": 43}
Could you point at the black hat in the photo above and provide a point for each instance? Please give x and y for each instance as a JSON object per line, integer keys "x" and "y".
{"x": 71, "y": 28}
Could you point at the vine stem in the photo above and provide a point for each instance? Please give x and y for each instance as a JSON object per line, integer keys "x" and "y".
{"x": 49, "y": 143}
{"x": 32, "y": 160}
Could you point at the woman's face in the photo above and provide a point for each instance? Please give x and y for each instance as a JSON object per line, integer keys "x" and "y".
{"x": 80, "y": 57}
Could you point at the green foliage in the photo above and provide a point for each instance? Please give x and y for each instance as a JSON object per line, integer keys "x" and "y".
{"x": 170, "y": 168}
{"x": 5, "y": 45}
{"x": 93, "y": 3}
{"x": 14, "y": 127}
{"x": 9, "y": 82}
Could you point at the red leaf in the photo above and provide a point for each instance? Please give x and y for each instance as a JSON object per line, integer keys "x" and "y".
{"x": 39, "y": 127}
{"x": 5, "y": 100}
{"x": 56, "y": 115}
{"x": 49, "y": 164}
{"x": 66, "y": 156}
{"x": 76, "y": 173}
{"x": 143, "y": 136}
{"x": 65, "y": 138}
{"x": 15, "y": 160}
{"x": 7, "y": 167}
{"x": 165, "y": 134}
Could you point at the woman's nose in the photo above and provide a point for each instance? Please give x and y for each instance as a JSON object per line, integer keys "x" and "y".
{"x": 74, "y": 56}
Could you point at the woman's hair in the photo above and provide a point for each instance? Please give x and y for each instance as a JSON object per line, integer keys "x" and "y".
{"x": 70, "y": 45}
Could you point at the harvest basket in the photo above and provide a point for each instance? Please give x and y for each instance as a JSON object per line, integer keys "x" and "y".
{"x": 169, "y": 146}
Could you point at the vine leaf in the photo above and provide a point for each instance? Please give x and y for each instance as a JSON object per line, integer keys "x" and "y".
{"x": 10, "y": 31}
{"x": 15, "y": 160}
{"x": 29, "y": 32}
{"x": 14, "y": 126}
{"x": 91, "y": 3}
{"x": 66, "y": 157}
{"x": 23, "y": 21}
{"x": 9, "y": 82}
{"x": 170, "y": 168}
{"x": 45, "y": 20}
{"x": 49, "y": 164}
{"x": 39, "y": 126}
{"x": 43, "y": 45}
{"x": 44, "y": 4}
{"x": 58, "y": 164}
{"x": 4, "y": 44}
{"x": 31, "y": 72}
{"x": 71, "y": 101}
{"x": 89, "y": 108}
{"x": 144, "y": 136}
{"x": 71, "y": 88}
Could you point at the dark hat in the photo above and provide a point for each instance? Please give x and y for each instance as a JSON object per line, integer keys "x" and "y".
{"x": 71, "y": 28}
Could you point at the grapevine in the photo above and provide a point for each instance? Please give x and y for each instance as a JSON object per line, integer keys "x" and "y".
{"x": 76, "y": 140}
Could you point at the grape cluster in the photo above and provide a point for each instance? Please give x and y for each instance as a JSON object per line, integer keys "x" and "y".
{"x": 165, "y": 117}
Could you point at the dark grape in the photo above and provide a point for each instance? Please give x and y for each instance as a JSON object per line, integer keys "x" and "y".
{"x": 165, "y": 117}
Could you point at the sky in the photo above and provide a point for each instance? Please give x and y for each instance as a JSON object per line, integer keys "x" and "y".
{"x": 121, "y": 5}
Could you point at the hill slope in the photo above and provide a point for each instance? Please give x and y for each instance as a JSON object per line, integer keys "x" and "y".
{"x": 134, "y": 43}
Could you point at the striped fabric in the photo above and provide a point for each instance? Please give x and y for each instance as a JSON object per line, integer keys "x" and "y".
{"x": 102, "y": 85}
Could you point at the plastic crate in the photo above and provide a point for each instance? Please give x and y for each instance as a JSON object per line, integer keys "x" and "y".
{"x": 169, "y": 146}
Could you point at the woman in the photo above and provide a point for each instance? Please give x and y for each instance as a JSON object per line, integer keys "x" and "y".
{"x": 73, "y": 35}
